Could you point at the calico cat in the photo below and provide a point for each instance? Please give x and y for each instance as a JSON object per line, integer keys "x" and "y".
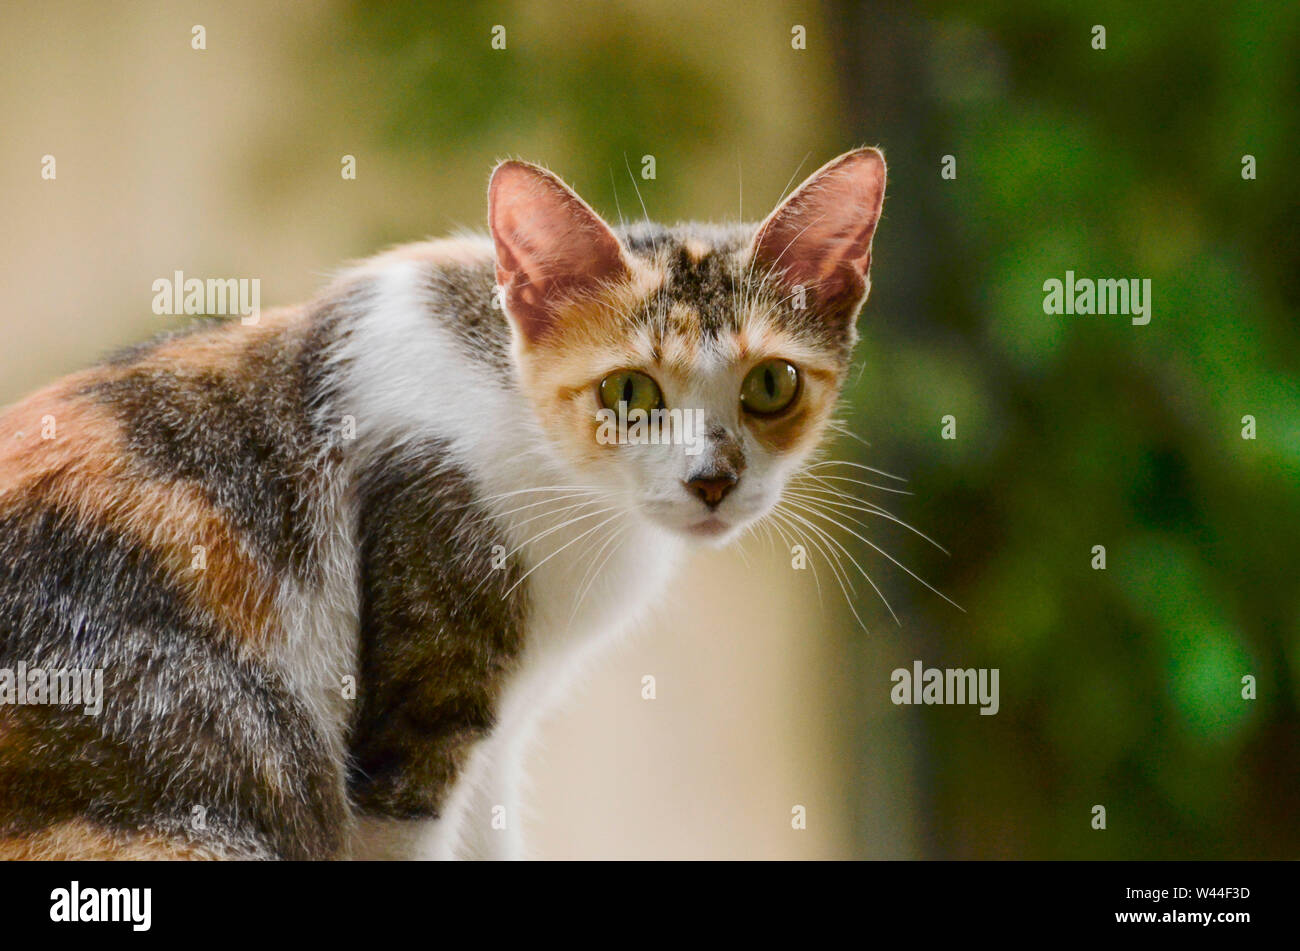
{"x": 332, "y": 566}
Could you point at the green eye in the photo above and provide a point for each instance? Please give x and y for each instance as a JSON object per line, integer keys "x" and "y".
{"x": 770, "y": 387}
{"x": 635, "y": 389}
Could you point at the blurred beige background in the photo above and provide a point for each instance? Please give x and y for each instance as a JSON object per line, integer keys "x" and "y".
{"x": 226, "y": 162}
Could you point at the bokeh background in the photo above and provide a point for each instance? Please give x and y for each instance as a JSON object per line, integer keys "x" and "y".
{"x": 1119, "y": 687}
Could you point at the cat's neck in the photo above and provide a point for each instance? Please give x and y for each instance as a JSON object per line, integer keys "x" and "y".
{"x": 425, "y": 373}
{"x": 488, "y": 570}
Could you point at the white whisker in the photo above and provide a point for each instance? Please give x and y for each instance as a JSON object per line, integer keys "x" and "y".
{"x": 617, "y": 513}
{"x": 821, "y": 514}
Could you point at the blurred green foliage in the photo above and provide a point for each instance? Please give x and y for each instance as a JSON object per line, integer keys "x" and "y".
{"x": 1119, "y": 687}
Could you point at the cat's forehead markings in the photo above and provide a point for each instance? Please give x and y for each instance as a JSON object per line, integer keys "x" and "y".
{"x": 645, "y": 341}
{"x": 733, "y": 348}
{"x": 708, "y": 285}
{"x": 696, "y": 248}
{"x": 682, "y": 320}
{"x": 752, "y": 326}
{"x": 645, "y": 283}
{"x": 680, "y": 351}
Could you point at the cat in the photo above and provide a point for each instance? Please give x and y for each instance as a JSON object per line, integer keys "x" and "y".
{"x": 332, "y": 566}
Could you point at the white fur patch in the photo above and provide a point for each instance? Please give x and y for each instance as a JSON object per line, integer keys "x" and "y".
{"x": 408, "y": 379}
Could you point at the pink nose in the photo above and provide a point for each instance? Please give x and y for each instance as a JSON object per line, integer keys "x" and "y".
{"x": 712, "y": 490}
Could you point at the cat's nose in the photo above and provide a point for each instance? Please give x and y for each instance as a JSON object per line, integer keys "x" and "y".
{"x": 712, "y": 489}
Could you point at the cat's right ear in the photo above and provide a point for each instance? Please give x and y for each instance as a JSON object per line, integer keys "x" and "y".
{"x": 551, "y": 247}
{"x": 819, "y": 239}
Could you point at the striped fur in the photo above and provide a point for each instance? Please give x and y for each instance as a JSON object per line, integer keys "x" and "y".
{"x": 335, "y": 564}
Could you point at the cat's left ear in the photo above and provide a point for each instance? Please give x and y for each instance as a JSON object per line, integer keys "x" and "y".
{"x": 551, "y": 247}
{"x": 819, "y": 238}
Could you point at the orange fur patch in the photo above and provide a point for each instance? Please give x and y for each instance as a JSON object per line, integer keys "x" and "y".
{"x": 456, "y": 252}
{"x": 85, "y": 469}
{"x": 214, "y": 349}
{"x": 80, "y": 840}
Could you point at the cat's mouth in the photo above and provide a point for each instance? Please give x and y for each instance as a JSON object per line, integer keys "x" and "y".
{"x": 699, "y": 524}
{"x": 711, "y": 527}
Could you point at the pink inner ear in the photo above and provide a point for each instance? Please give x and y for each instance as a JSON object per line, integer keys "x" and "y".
{"x": 820, "y": 238}
{"x": 550, "y": 245}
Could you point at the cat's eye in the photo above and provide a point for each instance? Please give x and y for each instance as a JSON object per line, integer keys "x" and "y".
{"x": 632, "y": 387}
{"x": 770, "y": 387}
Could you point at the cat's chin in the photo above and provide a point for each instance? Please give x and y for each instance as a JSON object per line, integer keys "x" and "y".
{"x": 712, "y": 531}
{"x": 711, "y": 527}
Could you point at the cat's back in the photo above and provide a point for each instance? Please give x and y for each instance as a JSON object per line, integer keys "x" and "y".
{"x": 174, "y": 519}
{"x": 146, "y": 518}
{"x": 179, "y": 449}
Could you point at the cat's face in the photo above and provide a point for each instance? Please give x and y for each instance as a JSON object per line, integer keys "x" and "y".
{"x": 687, "y": 372}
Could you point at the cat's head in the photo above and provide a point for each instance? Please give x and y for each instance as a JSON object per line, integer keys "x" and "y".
{"x": 740, "y": 335}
